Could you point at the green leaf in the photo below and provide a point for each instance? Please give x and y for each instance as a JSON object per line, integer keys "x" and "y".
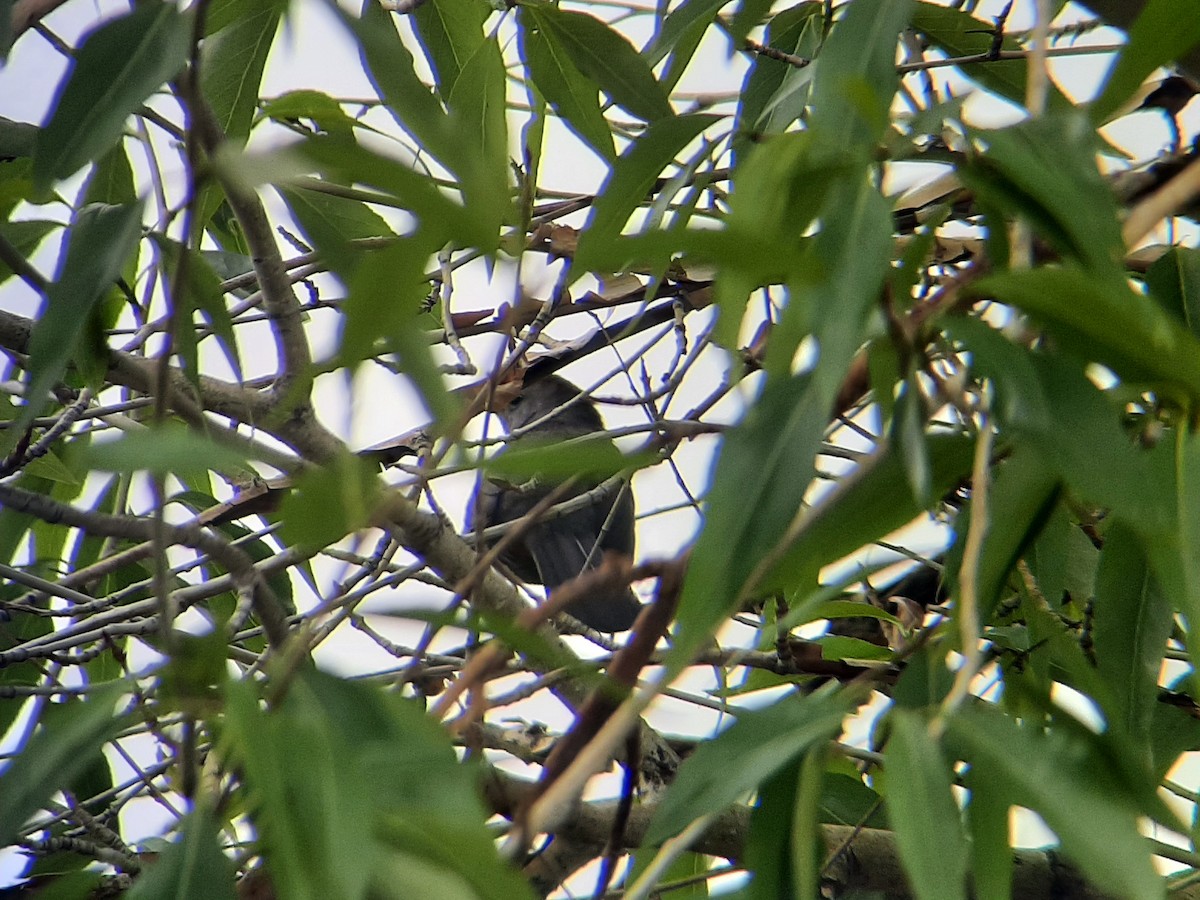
{"x": 922, "y": 810}
{"x": 1164, "y": 31}
{"x": 118, "y": 67}
{"x": 634, "y": 175}
{"x": 679, "y": 36}
{"x": 1050, "y": 402}
{"x": 605, "y": 57}
{"x": 386, "y": 291}
{"x": 592, "y": 457}
{"x": 1130, "y": 626}
{"x": 960, "y": 34}
{"x": 553, "y": 72}
{"x": 99, "y": 242}
{"x": 1044, "y": 170}
{"x": 190, "y": 868}
{"x": 1102, "y": 319}
{"x": 111, "y": 180}
{"x": 232, "y": 61}
{"x": 165, "y": 449}
{"x": 754, "y": 748}
{"x": 321, "y": 109}
{"x": 478, "y": 107}
{"x": 450, "y": 32}
{"x": 331, "y": 223}
{"x": 988, "y": 818}
{"x": 1061, "y": 776}
{"x": 329, "y": 503}
{"x": 798, "y": 31}
{"x": 1174, "y": 281}
{"x": 1022, "y": 495}
{"x": 856, "y": 78}
{"x": 68, "y": 740}
{"x": 25, "y": 235}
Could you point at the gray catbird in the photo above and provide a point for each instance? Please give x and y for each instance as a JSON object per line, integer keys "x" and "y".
{"x": 556, "y": 550}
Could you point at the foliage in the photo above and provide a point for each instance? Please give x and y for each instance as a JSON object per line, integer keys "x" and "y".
{"x": 994, "y": 372}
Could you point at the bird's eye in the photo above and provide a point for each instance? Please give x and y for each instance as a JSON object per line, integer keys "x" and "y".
{"x": 515, "y": 401}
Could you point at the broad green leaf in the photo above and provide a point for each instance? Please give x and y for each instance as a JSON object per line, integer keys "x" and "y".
{"x": 605, "y": 57}
{"x": 386, "y": 291}
{"x": 1061, "y": 776}
{"x": 557, "y": 78}
{"x": 869, "y": 504}
{"x": 478, "y": 107}
{"x": 17, "y": 139}
{"x": 755, "y": 747}
{"x": 593, "y": 456}
{"x": 960, "y": 34}
{"x": 233, "y": 58}
{"x": 118, "y": 67}
{"x": 1174, "y": 281}
{"x": 856, "y": 78}
{"x": 450, "y": 32}
{"x": 111, "y": 180}
{"x": 633, "y": 176}
{"x": 191, "y": 868}
{"x": 1163, "y": 32}
{"x": 922, "y": 810}
{"x": 442, "y": 219}
{"x": 837, "y": 647}
{"x": 310, "y": 800}
{"x": 1044, "y": 170}
{"x": 1130, "y": 626}
{"x": 68, "y": 740}
{"x": 165, "y": 449}
{"x": 99, "y": 242}
{"x": 1102, "y": 319}
{"x": 331, "y": 222}
{"x": 329, "y": 503}
{"x": 1050, "y": 402}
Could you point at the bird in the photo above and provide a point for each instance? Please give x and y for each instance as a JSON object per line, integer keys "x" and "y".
{"x": 554, "y": 551}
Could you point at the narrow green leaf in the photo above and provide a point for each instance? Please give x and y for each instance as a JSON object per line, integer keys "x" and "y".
{"x": 754, "y": 748}
{"x": 478, "y": 107}
{"x": 120, "y": 64}
{"x": 607, "y": 58}
{"x": 191, "y": 868}
{"x": 67, "y": 741}
{"x": 679, "y": 36}
{"x": 111, "y": 180}
{"x": 1163, "y": 32}
{"x": 554, "y": 73}
{"x": 321, "y": 109}
{"x": 99, "y": 242}
{"x": 634, "y": 175}
{"x": 922, "y": 810}
{"x": 797, "y": 31}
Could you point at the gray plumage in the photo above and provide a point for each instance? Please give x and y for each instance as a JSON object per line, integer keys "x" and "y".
{"x": 557, "y": 550}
